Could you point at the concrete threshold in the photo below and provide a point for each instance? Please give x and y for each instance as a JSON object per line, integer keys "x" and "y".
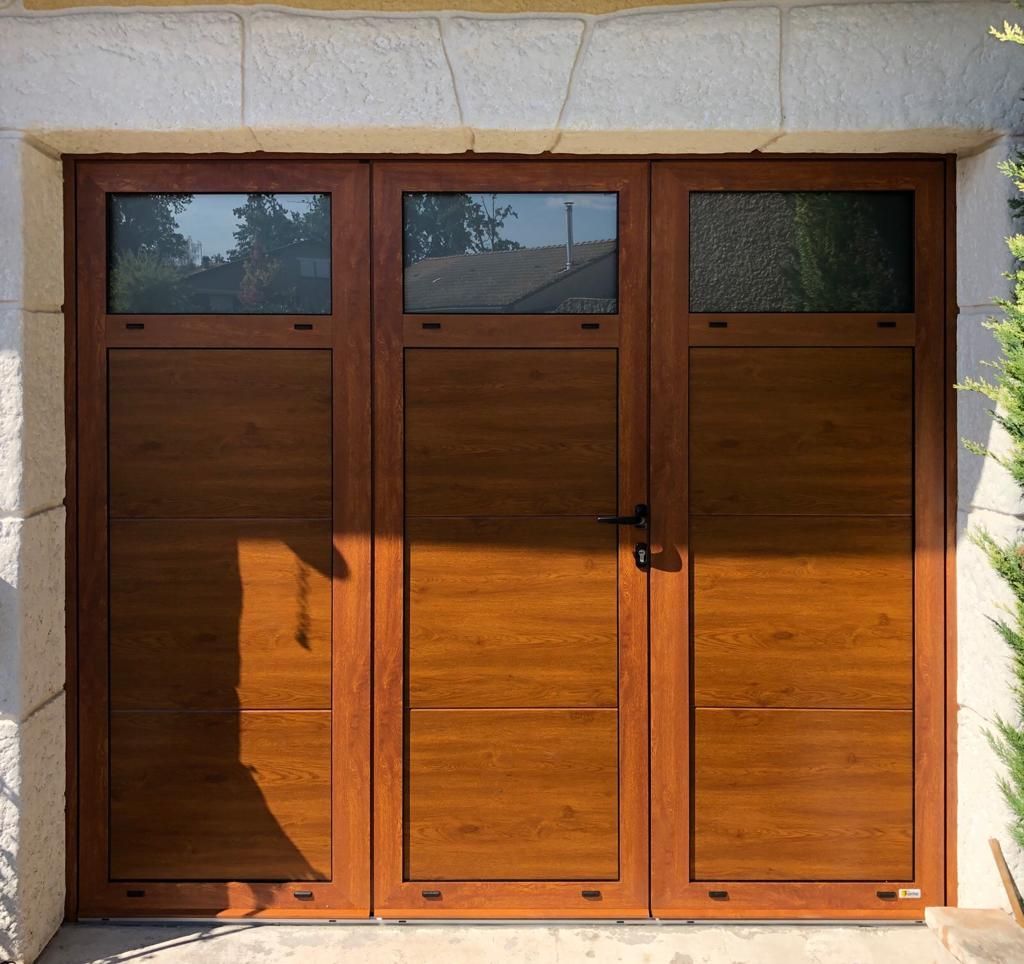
{"x": 978, "y": 936}
{"x": 510, "y": 943}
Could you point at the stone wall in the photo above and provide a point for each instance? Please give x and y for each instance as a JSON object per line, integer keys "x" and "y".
{"x": 739, "y": 77}
{"x": 31, "y": 548}
{"x": 987, "y": 499}
{"x": 918, "y": 76}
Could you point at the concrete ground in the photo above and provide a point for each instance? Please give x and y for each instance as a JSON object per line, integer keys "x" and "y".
{"x": 371, "y": 943}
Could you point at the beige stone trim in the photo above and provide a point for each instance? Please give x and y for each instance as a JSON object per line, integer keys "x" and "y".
{"x": 391, "y": 6}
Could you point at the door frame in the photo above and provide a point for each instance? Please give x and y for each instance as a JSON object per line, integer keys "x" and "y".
{"x": 675, "y": 891}
{"x": 345, "y": 331}
{"x": 166, "y": 169}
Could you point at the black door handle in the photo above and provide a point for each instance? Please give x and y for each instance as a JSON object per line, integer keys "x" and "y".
{"x": 638, "y": 519}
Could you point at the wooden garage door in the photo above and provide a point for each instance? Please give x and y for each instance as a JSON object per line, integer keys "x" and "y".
{"x": 798, "y": 582}
{"x": 224, "y": 539}
{"x": 510, "y": 622}
{"x": 723, "y": 699}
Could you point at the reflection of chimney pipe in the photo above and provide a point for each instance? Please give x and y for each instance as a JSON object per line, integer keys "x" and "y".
{"x": 568, "y": 235}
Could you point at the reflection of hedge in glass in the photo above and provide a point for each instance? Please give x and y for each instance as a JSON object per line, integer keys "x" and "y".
{"x": 850, "y": 250}
{"x": 801, "y": 251}
{"x": 279, "y": 261}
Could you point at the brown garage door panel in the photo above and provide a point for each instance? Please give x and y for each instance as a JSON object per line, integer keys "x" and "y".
{"x": 511, "y": 612}
{"x": 512, "y": 795}
{"x": 801, "y": 430}
{"x": 802, "y": 612}
{"x": 231, "y": 433}
{"x": 510, "y": 431}
{"x": 258, "y": 600}
{"x": 803, "y": 795}
{"x": 221, "y": 796}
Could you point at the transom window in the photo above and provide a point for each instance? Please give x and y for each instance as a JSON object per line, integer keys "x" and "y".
{"x": 525, "y": 253}
{"x": 219, "y": 254}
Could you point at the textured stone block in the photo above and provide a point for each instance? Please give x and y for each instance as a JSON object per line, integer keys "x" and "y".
{"x": 32, "y": 461}
{"x": 31, "y": 220}
{"x": 984, "y": 680}
{"x": 981, "y": 814}
{"x": 981, "y": 482}
{"x": 121, "y": 71}
{"x": 32, "y": 641}
{"x": 339, "y": 75}
{"x": 984, "y": 692}
{"x": 512, "y": 78}
{"x": 982, "y": 223}
{"x": 687, "y": 81}
{"x": 32, "y": 775}
{"x": 867, "y": 76}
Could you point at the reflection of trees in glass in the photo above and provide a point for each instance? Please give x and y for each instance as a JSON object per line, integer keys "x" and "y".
{"x": 259, "y": 281}
{"x": 265, "y": 225}
{"x": 436, "y": 225}
{"x": 142, "y": 281}
{"x": 265, "y": 220}
{"x": 149, "y": 223}
{"x": 150, "y": 251}
{"x": 849, "y": 253}
{"x": 155, "y": 268}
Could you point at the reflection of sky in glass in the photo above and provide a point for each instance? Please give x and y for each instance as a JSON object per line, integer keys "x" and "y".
{"x": 209, "y": 218}
{"x": 542, "y": 217}
{"x": 210, "y": 221}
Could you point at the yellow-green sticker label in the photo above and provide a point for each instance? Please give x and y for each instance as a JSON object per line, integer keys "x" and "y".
{"x": 910, "y": 893}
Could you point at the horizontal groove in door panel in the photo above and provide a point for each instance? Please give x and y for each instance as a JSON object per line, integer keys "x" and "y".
{"x": 220, "y": 614}
{"x": 512, "y": 795}
{"x": 816, "y": 430}
{"x": 216, "y": 796}
{"x": 815, "y": 796}
{"x": 190, "y": 437}
{"x": 802, "y": 612}
{"x": 511, "y": 612}
{"x": 510, "y": 431}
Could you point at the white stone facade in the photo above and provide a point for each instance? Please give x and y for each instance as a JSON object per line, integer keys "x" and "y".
{"x": 863, "y": 77}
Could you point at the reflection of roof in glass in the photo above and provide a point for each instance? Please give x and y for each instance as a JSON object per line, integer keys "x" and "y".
{"x": 224, "y": 269}
{"x": 494, "y": 279}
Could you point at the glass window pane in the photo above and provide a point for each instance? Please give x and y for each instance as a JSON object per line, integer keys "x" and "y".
{"x": 817, "y": 251}
{"x": 219, "y": 254}
{"x": 511, "y": 253}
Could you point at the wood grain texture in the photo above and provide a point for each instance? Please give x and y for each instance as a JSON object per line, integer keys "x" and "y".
{"x": 676, "y": 893}
{"x": 510, "y": 432}
{"x": 511, "y": 613}
{"x": 191, "y": 436}
{"x": 776, "y": 330}
{"x": 815, "y": 795}
{"x": 220, "y": 796}
{"x": 345, "y": 436}
{"x": 512, "y": 795}
{"x": 802, "y": 612}
{"x": 801, "y": 430}
{"x": 553, "y": 453}
{"x": 212, "y": 614}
